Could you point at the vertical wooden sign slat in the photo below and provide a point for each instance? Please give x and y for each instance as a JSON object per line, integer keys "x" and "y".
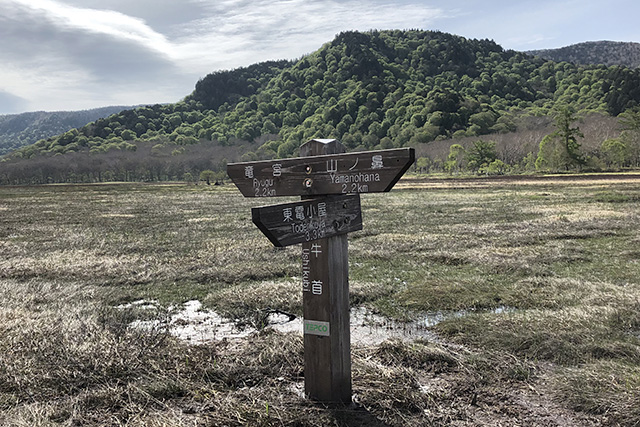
{"x": 327, "y": 359}
{"x": 340, "y": 318}
{"x": 317, "y": 320}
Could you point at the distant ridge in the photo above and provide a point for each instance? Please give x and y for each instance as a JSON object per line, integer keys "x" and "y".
{"x": 17, "y": 130}
{"x": 595, "y": 53}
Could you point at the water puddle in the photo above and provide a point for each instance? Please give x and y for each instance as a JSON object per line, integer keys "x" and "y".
{"x": 140, "y": 304}
{"x": 435, "y": 317}
{"x": 193, "y": 324}
{"x": 368, "y": 328}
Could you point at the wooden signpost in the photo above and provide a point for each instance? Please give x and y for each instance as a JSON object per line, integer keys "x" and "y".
{"x": 362, "y": 172}
{"x": 307, "y": 220}
{"x": 329, "y": 182}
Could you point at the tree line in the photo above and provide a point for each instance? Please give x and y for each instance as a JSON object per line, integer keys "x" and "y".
{"x": 558, "y": 151}
{"x": 145, "y": 163}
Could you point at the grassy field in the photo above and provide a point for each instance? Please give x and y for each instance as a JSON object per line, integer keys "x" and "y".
{"x": 536, "y": 283}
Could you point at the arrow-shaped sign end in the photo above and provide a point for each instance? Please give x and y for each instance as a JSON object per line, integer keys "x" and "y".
{"x": 411, "y": 158}
{"x": 257, "y": 220}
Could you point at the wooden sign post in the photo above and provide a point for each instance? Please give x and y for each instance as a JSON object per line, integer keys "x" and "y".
{"x": 321, "y": 175}
{"x": 329, "y": 182}
{"x": 311, "y": 219}
{"x": 325, "y": 305}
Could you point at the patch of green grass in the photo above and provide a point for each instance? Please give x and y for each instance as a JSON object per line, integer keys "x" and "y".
{"x": 568, "y": 336}
{"x": 418, "y": 355}
{"x": 613, "y": 259}
{"x": 455, "y": 288}
{"x": 612, "y": 197}
{"x": 248, "y": 301}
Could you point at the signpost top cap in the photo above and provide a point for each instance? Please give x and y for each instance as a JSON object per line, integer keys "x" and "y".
{"x": 323, "y": 141}
{"x": 320, "y": 147}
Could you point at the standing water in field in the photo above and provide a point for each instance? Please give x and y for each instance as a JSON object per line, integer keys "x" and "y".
{"x": 193, "y": 324}
{"x": 435, "y": 317}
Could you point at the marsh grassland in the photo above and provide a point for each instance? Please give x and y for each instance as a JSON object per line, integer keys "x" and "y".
{"x": 535, "y": 284}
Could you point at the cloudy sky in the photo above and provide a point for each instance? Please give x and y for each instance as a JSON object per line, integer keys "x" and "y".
{"x": 79, "y": 54}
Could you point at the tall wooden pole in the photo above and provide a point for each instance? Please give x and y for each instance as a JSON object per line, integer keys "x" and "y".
{"x": 325, "y": 281}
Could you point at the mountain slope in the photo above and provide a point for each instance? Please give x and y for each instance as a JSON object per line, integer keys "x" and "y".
{"x": 594, "y": 53}
{"x": 379, "y": 89}
{"x": 17, "y": 130}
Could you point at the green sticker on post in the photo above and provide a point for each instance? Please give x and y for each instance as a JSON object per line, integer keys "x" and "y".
{"x": 316, "y": 327}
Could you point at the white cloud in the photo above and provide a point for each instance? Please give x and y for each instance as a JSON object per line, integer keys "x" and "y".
{"x": 63, "y": 57}
{"x": 67, "y": 54}
{"x": 106, "y": 22}
{"x": 109, "y": 52}
{"x": 238, "y": 32}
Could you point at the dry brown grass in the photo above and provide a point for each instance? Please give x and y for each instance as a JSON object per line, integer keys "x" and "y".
{"x": 560, "y": 255}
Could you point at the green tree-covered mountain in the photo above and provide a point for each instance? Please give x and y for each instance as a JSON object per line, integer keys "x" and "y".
{"x": 17, "y": 130}
{"x": 594, "y": 53}
{"x": 372, "y": 90}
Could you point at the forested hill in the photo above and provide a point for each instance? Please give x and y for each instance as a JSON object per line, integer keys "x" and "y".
{"x": 601, "y": 52}
{"x": 17, "y": 130}
{"x": 372, "y": 90}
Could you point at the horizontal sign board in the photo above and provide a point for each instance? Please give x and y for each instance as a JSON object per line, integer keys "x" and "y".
{"x": 312, "y": 219}
{"x": 360, "y": 172}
